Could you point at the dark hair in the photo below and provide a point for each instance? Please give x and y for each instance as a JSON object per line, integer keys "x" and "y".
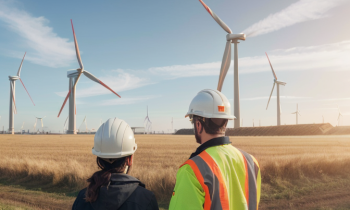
{"x": 102, "y": 177}
{"x": 211, "y": 125}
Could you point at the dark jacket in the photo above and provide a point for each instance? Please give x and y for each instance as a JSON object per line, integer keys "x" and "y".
{"x": 124, "y": 192}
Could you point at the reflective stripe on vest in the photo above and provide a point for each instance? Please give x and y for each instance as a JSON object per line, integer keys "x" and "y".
{"x": 212, "y": 181}
{"x": 252, "y": 170}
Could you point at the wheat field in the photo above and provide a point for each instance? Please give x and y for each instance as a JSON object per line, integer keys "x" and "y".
{"x": 297, "y": 172}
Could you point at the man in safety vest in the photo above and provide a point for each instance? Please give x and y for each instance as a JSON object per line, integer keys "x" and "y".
{"x": 217, "y": 176}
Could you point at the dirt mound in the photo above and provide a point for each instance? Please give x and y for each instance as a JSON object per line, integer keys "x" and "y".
{"x": 283, "y": 130}
{"x": 188, "y": 131}
{"x": 340, "y": 130}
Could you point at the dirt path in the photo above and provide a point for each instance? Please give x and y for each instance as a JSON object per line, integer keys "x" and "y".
{"x": 331, "y": 199}
{"x": 29, "y": 199}
{"x": 15, "y": 196}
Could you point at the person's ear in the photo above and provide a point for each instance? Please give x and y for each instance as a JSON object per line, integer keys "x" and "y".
{"x": 130, "y": 160}
{"x": 198, "y": 124}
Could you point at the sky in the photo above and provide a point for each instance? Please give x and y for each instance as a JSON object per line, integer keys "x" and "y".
{"x": 160, "y": 54}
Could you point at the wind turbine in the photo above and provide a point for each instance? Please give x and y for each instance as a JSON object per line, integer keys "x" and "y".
{"x": 84, "y": 121}
{"x": 297, "y": 113}
{"x": 22, "y": 127}
{"x": 278, "y": 93}
{"x": 74, "y": 77}
{"x": 339, "y": 115}
{"x": 13, "y": 109}
{"x": 172, "y": 125}
{"x": 322, "y": 119}
{"x": 226, "y": 60}
{"x": 64, "y": 126}
{"x": 42, "y": 123}
{"x": 148, "y": 123}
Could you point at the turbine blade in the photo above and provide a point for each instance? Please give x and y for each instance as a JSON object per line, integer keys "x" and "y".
{"x": 273, "y": 72}
{"x": 77, "y": 48}
{"x": 42, "y": 124}
{"x": 27, "y": 91}
{"x": 64, "y": 103}
{"x": 216, "y": 18}
{"x": 20, "y": 67}
{"x": 270, "y": 95}
{"x": 225, "y": 65}
{"x": 93, "y": 78}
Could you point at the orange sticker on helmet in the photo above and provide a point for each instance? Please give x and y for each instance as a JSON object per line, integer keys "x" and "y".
{"x": 221, "y": 108}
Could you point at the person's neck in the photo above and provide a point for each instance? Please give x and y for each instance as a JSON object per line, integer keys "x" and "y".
{"x": 206, "y": 137}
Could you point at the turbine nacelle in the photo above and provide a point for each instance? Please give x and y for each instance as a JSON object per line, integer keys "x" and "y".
{"x": 13, "y": 78}
{"x": 280, "y": 82}
{"x": 234, "y": 37}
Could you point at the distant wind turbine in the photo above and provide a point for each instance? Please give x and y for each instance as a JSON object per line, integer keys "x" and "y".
{"x": 278, "y": 93}
{"x": 339, "y": 115}
{"x": 84, "y": 122}
{"x": 74, "y": 77}
{"x": 22, "y": 127}
{"x": 297, "y": 113}
{"x": 172, "y": 125}
{"x": 148, "y": 123}
{"x": 13, "y": 109}
{"x": 64, "y": 126}
{"x": 323, "y": 119}
{"x": 42, "y": 123}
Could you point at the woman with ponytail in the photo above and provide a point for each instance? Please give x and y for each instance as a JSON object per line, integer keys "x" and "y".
{"x": 111, "y": 187}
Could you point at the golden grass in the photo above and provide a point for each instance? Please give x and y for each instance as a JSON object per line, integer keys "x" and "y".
{"x": 64, "y": 162}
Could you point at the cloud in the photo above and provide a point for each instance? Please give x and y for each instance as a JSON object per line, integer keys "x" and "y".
{"x": 322, "y": 57}
{"x": 125, "y": 101}
{"x": 43, "y": 45}
{"x": 301, "y": 11}
{"x": 192, "y": 70}
{"x": 117, "y": 80}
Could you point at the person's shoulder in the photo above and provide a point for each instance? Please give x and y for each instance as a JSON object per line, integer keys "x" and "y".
{"x": 79, "y": 202}
{"x": 142, "y": 197}
{"x": 249, "y": 156}
{"x": 142, "y": 192}
{"x": 81, "y": 194}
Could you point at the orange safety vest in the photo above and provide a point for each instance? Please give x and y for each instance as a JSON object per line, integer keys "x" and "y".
{"x": 212, "y": 181}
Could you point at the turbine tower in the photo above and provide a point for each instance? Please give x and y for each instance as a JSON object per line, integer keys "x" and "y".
{"x": 74, "y": 77}
{"x": 297, "y": 113}
{"x": 13, "y": 109}
{"x": 278, "y": 83}
{"x": 226, "y": 60}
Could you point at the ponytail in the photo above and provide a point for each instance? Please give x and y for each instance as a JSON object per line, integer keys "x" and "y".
{"x": 102, "y": 177}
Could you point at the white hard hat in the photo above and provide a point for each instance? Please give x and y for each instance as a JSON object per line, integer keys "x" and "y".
{"x": 114, "y": 139}
{"x": 210, "y": 104}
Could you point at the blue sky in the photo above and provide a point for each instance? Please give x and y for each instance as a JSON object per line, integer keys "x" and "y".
{"x": 161, "y": 53}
